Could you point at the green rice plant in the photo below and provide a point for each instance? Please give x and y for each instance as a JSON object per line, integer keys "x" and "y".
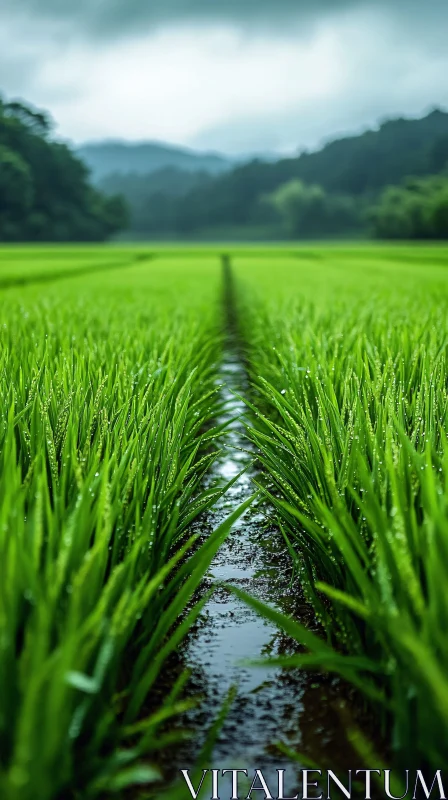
{"x": 108, "y": 390}
{"x": 349, "y": 408}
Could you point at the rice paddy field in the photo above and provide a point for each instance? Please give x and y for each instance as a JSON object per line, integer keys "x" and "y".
{"x": 157, "y": 403}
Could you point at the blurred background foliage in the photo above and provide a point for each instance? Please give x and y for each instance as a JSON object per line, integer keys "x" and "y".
{"x": 45, "y": 193}
{"x": 388, "y": 183}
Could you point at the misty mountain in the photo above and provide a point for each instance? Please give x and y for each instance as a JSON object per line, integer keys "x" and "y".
{"x": 357, "y": 168}
{"x": 143, "y": 158}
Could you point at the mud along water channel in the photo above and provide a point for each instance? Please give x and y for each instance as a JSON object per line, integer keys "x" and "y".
{"x": 270, "y": 705}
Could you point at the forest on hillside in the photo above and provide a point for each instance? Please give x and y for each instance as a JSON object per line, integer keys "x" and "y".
{"x": 343, "y": 189}
{"x": 45, "y": 191}
{"x": 389, "y": 183}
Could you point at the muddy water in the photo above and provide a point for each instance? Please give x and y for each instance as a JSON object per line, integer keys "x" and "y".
{"x": 268, "y": 703}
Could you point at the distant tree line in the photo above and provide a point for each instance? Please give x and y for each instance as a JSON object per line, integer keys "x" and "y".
{"x": 341, "y": 190}
{"x": 416, "y": 210}
{"x": 307, "y": 210}
{"x": 45, "y": 194}
{"x": 354, "y": 186}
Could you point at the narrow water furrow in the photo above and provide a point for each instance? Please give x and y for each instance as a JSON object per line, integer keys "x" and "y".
{"x": 267, "y": 703}
{"x": 270, "y": 705}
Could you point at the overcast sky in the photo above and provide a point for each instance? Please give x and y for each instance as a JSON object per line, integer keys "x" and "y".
{"x": 232, "y": 75}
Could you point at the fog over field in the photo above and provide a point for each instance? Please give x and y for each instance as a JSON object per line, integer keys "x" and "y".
{"x": 238, "y": 77}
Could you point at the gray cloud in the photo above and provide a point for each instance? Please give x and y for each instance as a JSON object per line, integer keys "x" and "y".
{"x": 106, "y": 18}
{"x": 170, "y": 69}
{"x": 370, "y": 97}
